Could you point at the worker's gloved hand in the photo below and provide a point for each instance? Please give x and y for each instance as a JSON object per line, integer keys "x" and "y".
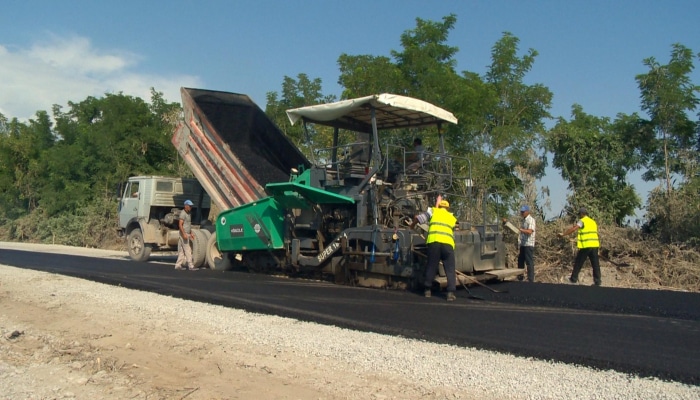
{"x": 560, "y": 234}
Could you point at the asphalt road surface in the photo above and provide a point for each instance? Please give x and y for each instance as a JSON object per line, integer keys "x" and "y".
{"x": 643, "y": 332}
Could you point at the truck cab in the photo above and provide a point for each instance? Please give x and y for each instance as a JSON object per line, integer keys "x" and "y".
{"x": 149, "y": 210}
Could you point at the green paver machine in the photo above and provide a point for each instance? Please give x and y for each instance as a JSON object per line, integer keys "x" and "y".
{"x": 345, "y": 214}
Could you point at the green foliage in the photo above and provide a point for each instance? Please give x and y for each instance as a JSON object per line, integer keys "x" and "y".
{"x": 517, "y": 118}
{"x": 594, "y": 159}
{"x": 638, "y": 137}
{"x": 668, "y": 96}
{"x": 426, "y": 62}
{"x": 105, "y": 141}
{"x": 365, "y": 75}
{"x": 668, "y": 145}
{"x": 10, "y": 161}
{"x": 296, "y": 93}
{"x": 57, "y": 180}
{"x": 89, "y": 226}
{"x": 675, "y": 217}
{"x": 22, "y": 147}
{"x": 508, "y": 128}
{"x": 501, "y": 117}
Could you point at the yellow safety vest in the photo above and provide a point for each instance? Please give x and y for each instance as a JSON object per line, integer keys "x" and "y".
{"x": 441, "y": 227}
{"x": 588, "y": 235}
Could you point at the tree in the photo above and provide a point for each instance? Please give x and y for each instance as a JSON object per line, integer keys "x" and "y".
{"x": 517, "y": 120}
{"x": 501, "y": 117}
{"x": 10, "y": 162}
{"x": 59, "y": 178}
{"x": 668, "y": 96}
{"x": 365, "y": 75}
{"x": 594, "y": 159}
{"x": 502, "y": 120}
{"x": 423, "y": 68}
{"x": 27, "y": 145}
{"x": 296, "y": 93}
{"x": 104, "y": 141}
{"x": 427, "y": 62}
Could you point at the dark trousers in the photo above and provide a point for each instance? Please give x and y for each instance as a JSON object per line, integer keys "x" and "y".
{"x": 592, "y": 254}
{"x": 441, "y": 252}
{"x": 527, "y": 257}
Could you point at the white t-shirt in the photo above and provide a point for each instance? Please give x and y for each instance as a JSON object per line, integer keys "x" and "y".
{"x": 528, "y": 240}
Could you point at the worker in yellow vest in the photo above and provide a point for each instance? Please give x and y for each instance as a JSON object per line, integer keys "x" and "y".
{"x": 441, "y": 245}
{"x": 587, "y": 243}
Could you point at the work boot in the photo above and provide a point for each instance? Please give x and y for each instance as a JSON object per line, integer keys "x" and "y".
{"x": 451, "y": 296}
{"x": 427, "y": 293}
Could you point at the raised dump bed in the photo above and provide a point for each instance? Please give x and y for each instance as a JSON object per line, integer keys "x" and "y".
{"x": 232, "y": 147}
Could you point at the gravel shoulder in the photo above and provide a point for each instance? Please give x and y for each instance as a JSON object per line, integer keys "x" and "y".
{"x": 64, "y": 337}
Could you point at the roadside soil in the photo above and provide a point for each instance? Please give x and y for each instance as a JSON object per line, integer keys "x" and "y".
{"x": 60, "y": 342}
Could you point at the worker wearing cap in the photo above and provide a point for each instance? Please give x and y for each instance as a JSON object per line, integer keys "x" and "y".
{"x": 587, "y": 243}
{"x": 184, "y": 252}
{"x": 526, "y": 256}
{"x": 441, "y": 244}
{"x": 415, "y": 158}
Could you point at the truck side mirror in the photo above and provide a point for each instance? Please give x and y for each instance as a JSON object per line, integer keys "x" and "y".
{"x": 119, "y": 190}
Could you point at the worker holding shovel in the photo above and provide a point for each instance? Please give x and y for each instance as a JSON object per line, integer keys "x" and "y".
{"x": 441, "y": 245}
{"x": 587, "y": 243}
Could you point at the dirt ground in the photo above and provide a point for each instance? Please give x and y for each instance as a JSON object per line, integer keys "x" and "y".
{"x": 60, "y": 343}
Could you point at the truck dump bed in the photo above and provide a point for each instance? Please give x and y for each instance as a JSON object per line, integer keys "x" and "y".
{"x": 232, "y": 147}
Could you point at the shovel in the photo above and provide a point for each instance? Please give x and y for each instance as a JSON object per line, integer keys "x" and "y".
{"x": 469, "y": 293}
{"x": 479, "y": 283}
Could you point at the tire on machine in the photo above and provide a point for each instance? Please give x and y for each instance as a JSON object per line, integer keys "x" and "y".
{"x": 217, "y": 260}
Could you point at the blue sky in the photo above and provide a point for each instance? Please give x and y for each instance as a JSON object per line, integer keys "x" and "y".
{"x": 52, "y": 52}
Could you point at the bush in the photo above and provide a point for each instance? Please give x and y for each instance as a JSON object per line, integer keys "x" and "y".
{"x": 93, "y": 225}
{"x": 674, "y": 217}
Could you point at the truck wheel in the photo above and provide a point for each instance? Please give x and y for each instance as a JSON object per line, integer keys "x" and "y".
{"x": 199, "y": 247}
{"x": 207, "y": 235}
{"x": 138, "y": 250}
{"x": 217, "y": 260}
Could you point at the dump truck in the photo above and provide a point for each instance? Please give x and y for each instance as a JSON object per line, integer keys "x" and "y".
{"x": 215, "y": 124}
{"x": 345, "y": 214}
{"x": 149, "y": 209}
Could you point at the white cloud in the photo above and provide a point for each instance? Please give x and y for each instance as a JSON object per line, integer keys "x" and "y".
{"x": 66, "y": 69}
{"x": 77, "y": 55}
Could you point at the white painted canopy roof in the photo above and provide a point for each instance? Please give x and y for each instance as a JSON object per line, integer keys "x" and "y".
{"x": 392, "y": 111}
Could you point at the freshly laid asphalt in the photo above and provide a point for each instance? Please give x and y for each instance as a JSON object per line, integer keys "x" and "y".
{"x": 642, "y": 332}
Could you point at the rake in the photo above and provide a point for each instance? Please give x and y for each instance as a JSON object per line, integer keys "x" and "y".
{"x": 478, "y": 282}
